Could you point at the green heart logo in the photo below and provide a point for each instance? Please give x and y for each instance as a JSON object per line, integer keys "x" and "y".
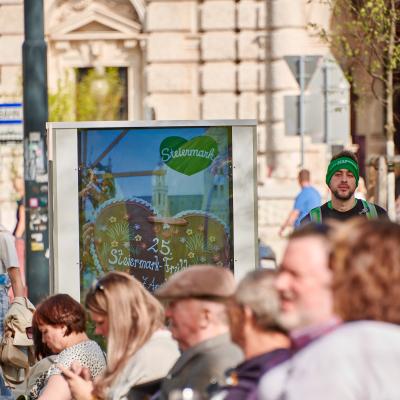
{"x": 188, "y": 157}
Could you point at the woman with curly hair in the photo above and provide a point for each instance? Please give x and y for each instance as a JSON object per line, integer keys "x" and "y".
{"x": 139, "y": 348}
{"x": 366, "y": 271}
{"x": 61, "y": 321}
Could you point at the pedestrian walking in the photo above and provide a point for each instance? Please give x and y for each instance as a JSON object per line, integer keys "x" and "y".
{"x": 307, "y": 199}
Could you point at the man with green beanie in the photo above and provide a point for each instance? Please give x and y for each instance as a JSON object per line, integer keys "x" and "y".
{"x": 342, "y": 179}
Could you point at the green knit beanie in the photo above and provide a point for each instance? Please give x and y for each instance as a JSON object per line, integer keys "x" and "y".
{"x": 342, "y": 163}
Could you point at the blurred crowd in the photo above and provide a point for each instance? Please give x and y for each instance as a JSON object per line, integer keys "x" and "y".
{"x": 323, "y": 325}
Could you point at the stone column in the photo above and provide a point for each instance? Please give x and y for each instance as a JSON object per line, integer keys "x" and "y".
{"x": 286, "y": 35}
{"x": 172, "y": 56}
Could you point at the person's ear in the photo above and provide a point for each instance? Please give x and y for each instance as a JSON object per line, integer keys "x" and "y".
{"x": 248, "y": 314}
{"x": 204, "y": 317}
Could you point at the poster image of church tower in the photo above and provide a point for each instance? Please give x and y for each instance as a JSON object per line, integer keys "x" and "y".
{"x": 217, "y": 178}
{"x": 159, "y": 197}
{"x": 216, "y": 200}
{"x": 173, "y": 192}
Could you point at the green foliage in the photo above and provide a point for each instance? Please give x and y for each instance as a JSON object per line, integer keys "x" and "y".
{"x": 363, "y": 35}
{"x": 99, "y": 96}
{"x": 61, "y": 103}
{"x": 96, "y": 97}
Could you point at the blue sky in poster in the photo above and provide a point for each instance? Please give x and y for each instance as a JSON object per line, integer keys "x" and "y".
{"x": 128, "y": 156}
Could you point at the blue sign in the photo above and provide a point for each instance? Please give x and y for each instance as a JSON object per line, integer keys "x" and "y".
{"x": 11, "y": 117}
{"x": 10, "y": 113}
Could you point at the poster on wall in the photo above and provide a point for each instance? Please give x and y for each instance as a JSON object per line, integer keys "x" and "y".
{"x": 153, "y": 201}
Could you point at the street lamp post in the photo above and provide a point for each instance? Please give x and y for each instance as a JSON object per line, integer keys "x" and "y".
{"x": 34, "y": 62}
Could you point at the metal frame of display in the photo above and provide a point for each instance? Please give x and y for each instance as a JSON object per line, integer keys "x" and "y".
{"x": 64, "y": 202}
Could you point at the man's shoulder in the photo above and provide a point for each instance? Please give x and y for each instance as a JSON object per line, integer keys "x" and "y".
{"x": 380, "y": 210}
{"x": 372, "y": 208}
{"x": 313, "y": 190}
{"x": 263, "y": 362}
{"x": 219, "y": 350}
{"x": 202, "y": 365}
{"x": 213, "y": 361}
{"x": 323, "y": 209}
{"x": 347, "y": 348}
{"x": 326, "y": 212}
{"x": 347, "y": 342}
{"x": 274, "y": 381}
{"x": 309, "y": 191}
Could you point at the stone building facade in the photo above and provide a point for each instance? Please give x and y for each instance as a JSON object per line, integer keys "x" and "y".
{"x": 185, "y": 59}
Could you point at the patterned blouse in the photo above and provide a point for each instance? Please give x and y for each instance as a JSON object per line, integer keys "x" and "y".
{"x": 87, "y": 353}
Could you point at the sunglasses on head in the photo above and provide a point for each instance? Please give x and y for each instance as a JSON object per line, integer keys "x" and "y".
{"x": 97, "y": 285}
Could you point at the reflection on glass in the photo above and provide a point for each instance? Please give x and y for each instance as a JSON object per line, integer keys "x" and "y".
{"x": 154, "y": 201}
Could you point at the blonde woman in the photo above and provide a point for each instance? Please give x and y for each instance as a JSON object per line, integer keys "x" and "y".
{"x": 139, "y": 348}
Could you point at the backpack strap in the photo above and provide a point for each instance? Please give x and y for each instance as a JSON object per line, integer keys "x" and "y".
{"x": 315, "y": 215}
{"x": 371, "y": 213}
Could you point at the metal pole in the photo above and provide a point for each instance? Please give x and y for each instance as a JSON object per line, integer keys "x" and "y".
{"x": 301, "y": 108}
{"x": 269, "y": 84}
{"x": 34, "y": 60}
{"x": 326, "y": 103}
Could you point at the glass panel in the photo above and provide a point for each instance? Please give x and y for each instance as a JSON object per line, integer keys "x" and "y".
{"x": 154, "y": 201}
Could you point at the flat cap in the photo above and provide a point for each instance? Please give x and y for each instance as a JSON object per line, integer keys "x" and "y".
{"x": 198, "y": 281}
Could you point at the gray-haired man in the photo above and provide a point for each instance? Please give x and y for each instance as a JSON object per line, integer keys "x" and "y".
{"x": 253, "y": 315}
{"x": 195, "y": 307}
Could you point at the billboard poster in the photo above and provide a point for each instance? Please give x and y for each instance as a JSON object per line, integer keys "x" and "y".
{"x": 154, "y": 200}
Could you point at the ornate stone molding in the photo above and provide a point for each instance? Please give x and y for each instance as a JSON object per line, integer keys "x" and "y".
{"x": 68, "y": 15}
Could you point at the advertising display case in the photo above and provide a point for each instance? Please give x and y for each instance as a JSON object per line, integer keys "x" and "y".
{"x": 150, "y": 198}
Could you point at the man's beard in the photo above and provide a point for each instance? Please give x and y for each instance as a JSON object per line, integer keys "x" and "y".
{"x": 343, "y": 197}
{"x": 294, "y": 320}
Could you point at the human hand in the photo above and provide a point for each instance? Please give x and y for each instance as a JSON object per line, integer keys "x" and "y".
{"x": 79, "y": 382}
{"x": 83, "y": 372}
